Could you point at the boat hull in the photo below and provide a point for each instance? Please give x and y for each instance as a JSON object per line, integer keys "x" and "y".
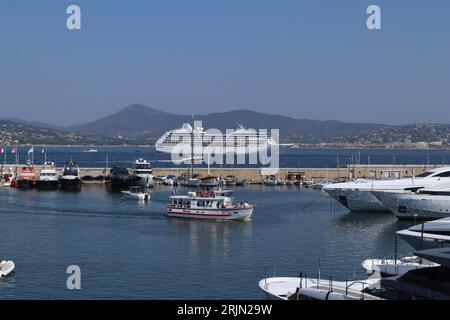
{"x": 357, "y": 200}
{"x": 204, "y": 214}
{"x": 424, "y": 241}
{"x": 26, "y": 184}
{"x": 47, "y": 184}
{"x": 134, "y": 196}
{"x": 415, "y": 206}
{"x": 191, "y": 183}
{"x": 6, "y": 268}
{"x": 70, "y": 184}
{"x": 289, "y": 288}
{"x": 144, "y": 181}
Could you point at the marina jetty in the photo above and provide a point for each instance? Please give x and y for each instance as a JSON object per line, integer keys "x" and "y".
{"x": 344, "y": 173}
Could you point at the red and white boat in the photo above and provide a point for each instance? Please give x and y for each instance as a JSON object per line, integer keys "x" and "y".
{"x": 206, "y": 205}
{"x": 26, "y": 178}
{"x": 8, "y": 178}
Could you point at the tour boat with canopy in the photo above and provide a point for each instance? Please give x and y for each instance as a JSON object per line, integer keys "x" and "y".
{"x": 211, "y": 205}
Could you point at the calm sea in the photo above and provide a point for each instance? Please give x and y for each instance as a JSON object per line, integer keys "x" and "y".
{"x": 131, "y": 251}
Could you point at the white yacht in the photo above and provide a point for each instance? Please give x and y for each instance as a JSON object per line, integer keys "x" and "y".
{"x": 291, "y": 288}
{"x": 427, "y": 203}
{"x": 48, "y": 178}
{"x": 246, "y": 140}
{"x": 432, "y": 234}
{"x": 143, "y": 169}
{"x": 71, "y": 177}
{"x": 357, "y": 196}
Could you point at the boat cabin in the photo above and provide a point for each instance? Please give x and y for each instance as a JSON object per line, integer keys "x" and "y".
{"x": 200, "y": 202}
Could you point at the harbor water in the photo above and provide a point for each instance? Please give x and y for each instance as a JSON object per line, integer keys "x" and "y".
{"x": 128, "y": 250}
{"x": 292, "y": 158}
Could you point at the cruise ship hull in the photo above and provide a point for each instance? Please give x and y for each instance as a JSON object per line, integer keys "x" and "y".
{"x": 161, "y": 148}
{"x": 415, "y": 206}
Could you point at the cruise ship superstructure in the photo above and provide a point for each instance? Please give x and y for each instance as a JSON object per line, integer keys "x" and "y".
{"x": 238, "y": 141}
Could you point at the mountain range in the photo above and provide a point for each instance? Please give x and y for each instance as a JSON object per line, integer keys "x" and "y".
{"x": 142, "y": 121}
{"x": 141, "y": 125}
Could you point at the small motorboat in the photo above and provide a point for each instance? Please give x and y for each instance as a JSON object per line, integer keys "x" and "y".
{"x": 302, "y": 288}
{"x": 6, "y": 267}
{"x": 137, "y": 194}
{"x": 168, "y": 182}
{"x": 8, "y": 177}
{"x": 271, "y": 181}
{"x": 395, "y": 267}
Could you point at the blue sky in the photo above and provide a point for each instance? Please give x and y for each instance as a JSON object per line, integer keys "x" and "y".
{"x": 307, "y": 59}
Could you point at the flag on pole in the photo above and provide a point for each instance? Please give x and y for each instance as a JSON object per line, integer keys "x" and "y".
{"x": 31, "y": 150}
{"x": 43, "y": 150}
{"x": 2, "y": 151}
{"x": 14, "y": 150}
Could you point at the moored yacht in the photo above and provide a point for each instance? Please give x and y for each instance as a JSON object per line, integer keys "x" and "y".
{"x": 431, "y": 283}
{"x": 270, "y": 181}
{"x": 47, "y": 179}
{"x": 120, "y": 179}
{"x": 357, "y": 195}
{"x": 190, "y": 180}
{"x": 142, "y": 169}
{"x": 26, "y": 179}
{"x": 428, "y": 235}
{"x": 216, "y": 205}
{"x": 209, "y": 181}
{"x": 71, "y": 178}
{"x": 427, "y": 203}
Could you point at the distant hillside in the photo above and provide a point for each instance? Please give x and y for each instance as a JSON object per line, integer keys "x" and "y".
{"x": 141, "y": 121}
{"x": 19, "y": 133}
{"x": 141, "y": 125}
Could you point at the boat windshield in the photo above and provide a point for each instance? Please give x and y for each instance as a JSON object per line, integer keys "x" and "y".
{"x": 142, "y": 166}
{"x": 423, "y": 175}
{"x": 70, "y": 172}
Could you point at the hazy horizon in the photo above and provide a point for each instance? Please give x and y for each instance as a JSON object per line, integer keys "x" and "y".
{"x": 302, "y": 59}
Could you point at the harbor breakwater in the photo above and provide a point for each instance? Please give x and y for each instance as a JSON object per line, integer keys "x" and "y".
{"x": 344, "y": 173}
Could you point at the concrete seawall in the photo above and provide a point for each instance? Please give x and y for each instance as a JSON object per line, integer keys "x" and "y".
{"x": 342, "y": 173}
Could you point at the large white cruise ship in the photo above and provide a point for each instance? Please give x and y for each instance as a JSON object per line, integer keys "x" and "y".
{"x": 239, "y": 141}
